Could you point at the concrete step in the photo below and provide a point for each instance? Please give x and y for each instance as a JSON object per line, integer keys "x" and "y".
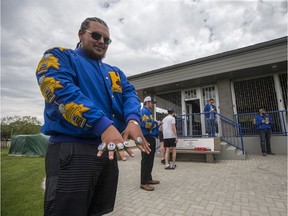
{"x": 229, "y": 152}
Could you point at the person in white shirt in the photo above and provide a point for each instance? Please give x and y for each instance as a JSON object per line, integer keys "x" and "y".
{"x": 170, "y": 138}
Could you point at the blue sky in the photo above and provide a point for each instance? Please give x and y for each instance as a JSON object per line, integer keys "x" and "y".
{"x": 146, "y": 35}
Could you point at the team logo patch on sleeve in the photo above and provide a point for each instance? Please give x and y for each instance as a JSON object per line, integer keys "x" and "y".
{"x": 145, "y": 118}
{"x": 47, "y": 61}
{"x": 116, "y": 82}
{"x": 148, "y": 125}
{"x": 72, "y": 112}
{"x": 48, "y": 86}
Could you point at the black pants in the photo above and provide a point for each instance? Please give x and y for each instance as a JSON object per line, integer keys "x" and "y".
{"x": 265, "y": 136}
{"x": 78, "y": 182}
{"x": 148, "y": 161}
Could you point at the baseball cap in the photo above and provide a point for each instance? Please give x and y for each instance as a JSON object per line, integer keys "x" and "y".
{"x": 147, "y": 99}
{"x": 171, "y": 110}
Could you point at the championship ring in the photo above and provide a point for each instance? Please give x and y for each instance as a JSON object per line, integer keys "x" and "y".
{"x": 111, "y": 146}
{"x": 102, "y": 147}
{"x": 138, "y": 141}
{"x": 126, "y": 144}
{"x": 120, "y": 146}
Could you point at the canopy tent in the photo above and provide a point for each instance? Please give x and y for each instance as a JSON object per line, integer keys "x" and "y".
{"x": 29, "y": 145}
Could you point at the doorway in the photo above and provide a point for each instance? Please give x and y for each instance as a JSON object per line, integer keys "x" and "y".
{"x": 193, "y": 117}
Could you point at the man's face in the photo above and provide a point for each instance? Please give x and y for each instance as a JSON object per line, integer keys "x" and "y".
{"x": 95, "y": 49}
{"x": 211, "y": 101}
{"x": 263, "y": 111}
{"x": 150, "y": 105}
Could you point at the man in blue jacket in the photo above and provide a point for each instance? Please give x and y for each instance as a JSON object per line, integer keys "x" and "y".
{"x": 264, "y": 126}
{"x": 88, "y": 104}
{"x": 150, "y": 130}
{"x": 210, "y": 110}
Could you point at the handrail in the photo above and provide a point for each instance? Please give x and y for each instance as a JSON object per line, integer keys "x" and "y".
{"x": 196, "y": 125}
{"x": 231, "y": 133}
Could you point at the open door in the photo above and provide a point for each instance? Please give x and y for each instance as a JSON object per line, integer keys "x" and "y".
{"x": 193, "y": 119}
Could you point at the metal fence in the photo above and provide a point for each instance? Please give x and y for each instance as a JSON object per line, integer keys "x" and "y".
{"x": 247, "y": 122}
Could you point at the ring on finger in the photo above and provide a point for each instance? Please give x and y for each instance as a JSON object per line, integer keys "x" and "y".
{"x": 111, "y": 146}
{"x": 138, "y": 141}
{"x": 120, "y": 146}
{"x": 102, "y": 147}
{"x": 126, "y": 144}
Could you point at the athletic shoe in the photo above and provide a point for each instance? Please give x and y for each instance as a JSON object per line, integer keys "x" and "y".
{"x": 169, "y": 167}
{"x": 173, "y": 166}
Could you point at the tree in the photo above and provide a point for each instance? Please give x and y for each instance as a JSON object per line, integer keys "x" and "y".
{"x": 15, "y": 125}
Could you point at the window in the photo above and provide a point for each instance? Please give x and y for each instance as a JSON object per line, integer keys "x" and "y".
{"x": 250, "y": 95}
{"x": 207, "y": 93}
{"x": 191, "y": 94}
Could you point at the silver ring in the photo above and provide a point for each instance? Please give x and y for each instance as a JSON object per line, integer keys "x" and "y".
{"x": 102, "y": 147}
{"x": 120, "y": 146}
{"x": 138, "y": 141}
{"x": 126, "y": 144}
{"x": 111, "y": 146}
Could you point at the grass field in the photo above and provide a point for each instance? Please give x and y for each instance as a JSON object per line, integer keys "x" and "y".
{"x": 21, "y": 179}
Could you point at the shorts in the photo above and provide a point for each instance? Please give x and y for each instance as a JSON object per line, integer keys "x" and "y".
{"x": 160, "y": 136}
{"x": 171, "y": 142}
{"x": 78, "y": 182}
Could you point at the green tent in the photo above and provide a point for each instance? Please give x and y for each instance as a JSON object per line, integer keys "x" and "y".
{"x": 29, "y": 145}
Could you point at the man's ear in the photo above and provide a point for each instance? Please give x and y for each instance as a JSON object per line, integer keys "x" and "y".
{"x": 80, "y": 34}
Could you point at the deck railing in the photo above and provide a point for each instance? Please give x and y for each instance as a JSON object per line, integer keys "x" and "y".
{"x": 230, "y": 131}
{"x": 197, "y": 125}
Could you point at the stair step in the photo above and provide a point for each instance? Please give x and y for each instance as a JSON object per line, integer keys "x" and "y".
{"x": 238, "y": 152}
{"x": 231, "y": 148}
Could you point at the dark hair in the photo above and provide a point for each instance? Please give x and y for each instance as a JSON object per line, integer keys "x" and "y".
{"x": 86, "y": 22}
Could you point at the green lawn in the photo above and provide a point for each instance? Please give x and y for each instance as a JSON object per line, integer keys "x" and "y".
{"x": 21, "y": 179}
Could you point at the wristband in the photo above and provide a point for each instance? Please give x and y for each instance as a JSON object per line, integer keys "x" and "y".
{"x": 134, "y": 122}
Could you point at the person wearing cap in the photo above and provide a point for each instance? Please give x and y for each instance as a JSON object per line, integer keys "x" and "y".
{"x": 170, "y": 138}
{"x": 150, "y": 129}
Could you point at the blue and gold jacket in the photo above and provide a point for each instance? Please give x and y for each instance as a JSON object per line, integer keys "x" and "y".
{"x": 83, "y": 96}
{"x": 149, "y": 127}
{"x": 267, "y": 125}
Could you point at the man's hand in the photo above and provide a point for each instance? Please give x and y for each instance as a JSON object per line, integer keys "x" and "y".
{"x": 134, "y": 132}
{"x": 112, "y": 136}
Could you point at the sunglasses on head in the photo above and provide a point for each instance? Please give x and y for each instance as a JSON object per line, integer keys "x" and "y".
{"x": 97, "y": 36}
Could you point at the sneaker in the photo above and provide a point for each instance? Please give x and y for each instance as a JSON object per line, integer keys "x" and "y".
{"x": 168, "y": 167}
{"x": 264, "y": 154}
{"x": 173, "y": 166}
{"x": 163, "y": 161}
{"x": 271, "y": 153}
{"x": 147, "y": 187}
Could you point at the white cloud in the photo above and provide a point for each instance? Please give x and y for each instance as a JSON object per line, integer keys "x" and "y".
{"x": 146, "y": 35}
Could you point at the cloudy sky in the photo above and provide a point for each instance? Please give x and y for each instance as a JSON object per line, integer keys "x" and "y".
{"x": 146, "y": 34}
